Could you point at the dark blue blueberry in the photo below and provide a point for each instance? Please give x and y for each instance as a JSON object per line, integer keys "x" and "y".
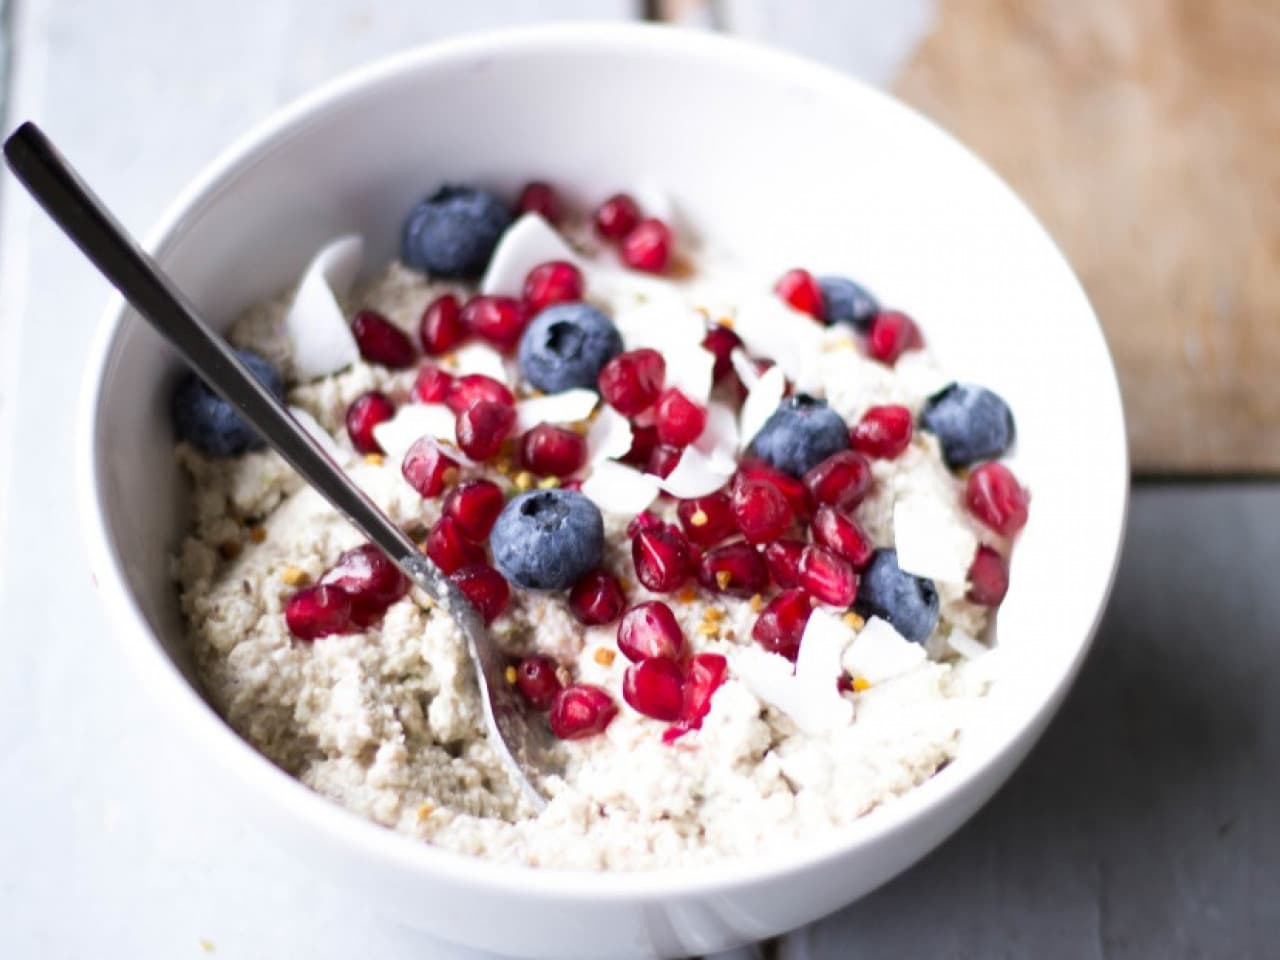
{"x": 208, "y": 422}
{"x": 547, "y": 539}
{"x": 847, "y": 302}
{"x": 971, "y": 423}
{"x": 908, "y": 602}
{"x": 800, "y": 434}
{"x": 566, "y": 345}
{"x": 453, "y": 232}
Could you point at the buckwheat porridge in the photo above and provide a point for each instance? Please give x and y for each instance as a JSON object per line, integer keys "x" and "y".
{"x": 741, "y": 541}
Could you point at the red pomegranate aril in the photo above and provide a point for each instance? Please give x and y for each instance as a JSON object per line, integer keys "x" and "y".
{"x": 662, "y": 460}
{"x": 842, "y": 536}
{"x": 581, "y": 710}
{"x": 643, "y": 442}
{"x": 644, "y": 520}
{"x": 474, "y": 506}
{"x": 597, "y": 599}
{"x": 801, "y": 290}
{"x": 654, "y": 688}
{"x": 661, "y": 558}
{"x": 704, "y": 676}
{"x": 485, "y": 588}
{"x": 721, "y": 341}
{"x": 707, "y": 520}
{"x": 381, "y": 341}
{"x": 427, "y": 468}
{"x": 827, "y": 577}
{"x": 892, "y": 334}
{"x": 616, "y": 217}
{"x": 441, "y": 328}
{"x": 648, "y": 246}
{"x": 995, "y": 497}
{"x": 482, "y": 427}
{"x": 737, "y": 569}
{"x": 781, "y": 623}
{"x": 650, "y": 629}
{"x": 679, "y": 420}
{"x": 783, "y": 559}
{"x": 557, "y": 281}
{"x": 790, "y": 487}
{"x": 475, "y": 387}
{"x": 368, "y": 577}
{"x": 631, "y": 381}
{"x": 883, "y": 432}
{"x": 366, "y": 412}
{"x": 988, "y": 578}
{"x": 449, "y": 549}
{"x": 540, "y": 198}
{"x": 537, "y": 680}
{"x": 432, "y": 385}
{"x": 841, "y": 480}
{"x": 497, "y": 320}
{"x": 551, "y": 451}
{"x": 317, "y": 611}
{"x": 760, "y": 510}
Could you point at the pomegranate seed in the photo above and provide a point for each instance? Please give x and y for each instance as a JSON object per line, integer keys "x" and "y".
{"x": 679, "y": 420}
{"x": 801, "y": 290}
{"x": 427, "y": 468}
{"x": 707, "y": 671}
{"x": 616, "y": 217}
{"x": 844, "y": 683}
{"x": 841, "y": 480}
{"x": 828, "y": 577}
{"x": 581, "y": 710}
{"x": 883, "y": 432}
{"x": 441, "y": 328}
{"x": 736, "y": 568}
{"x": 366, "y": 412}
{"x": 783, "y": 559}
{"x": 721, "y": 341}
{"x": 474, "y": 506}
{"x": 499, "y": 320}
{"x": 662, "y": 460}
{"x": 555, "y": 282}
{"x": 790, "y": 487}
{"x": 644, "y": 520}
{"x": 842, "y": 536}
{"x": 369, "y": 578}
{"x": 655, "y": 688}
{"x": 707, "y": 520}
{"x": 761, "y": 510}
{"x": 995, "y": 497}
{"x": 781, "y": 623}
{"x": 648, "y": 246}
{"x": 381, "y": 341}
{"x": 550, "y": 451}
{"x": 661, "y": 558}
{"x": 484, "y": 588}
{"x": 449, "y": 549}
{"x": 892, "y": 334}
{"x": 643, "y": 442}
{"x": 631, "y": 381}
{"x": 537, "y": 680}
{"x": 597, "y": 598}
{"x": 482, "y": 427}
{"x": 988, "y": 578}
{"x": 540, "y": 198}
{"x": 432, "y": 385}
{"x": 650, "y": 629}
{"x": 317, "y": 611}
{"x": 475, "y": 387}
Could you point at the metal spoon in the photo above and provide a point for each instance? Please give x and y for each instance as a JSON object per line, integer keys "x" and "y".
{"x": 523, "y": 744}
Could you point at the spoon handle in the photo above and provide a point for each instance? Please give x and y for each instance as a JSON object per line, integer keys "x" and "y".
{"x": 77, "y": 210}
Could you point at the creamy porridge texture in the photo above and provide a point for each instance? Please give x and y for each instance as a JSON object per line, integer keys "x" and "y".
{"x": 820, "y": 704}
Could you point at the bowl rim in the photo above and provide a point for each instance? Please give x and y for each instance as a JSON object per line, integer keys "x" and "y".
{"x": 357, "y": 835}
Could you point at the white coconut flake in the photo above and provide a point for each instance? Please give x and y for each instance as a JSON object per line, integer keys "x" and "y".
{"x": 719, "y": 439}
{"x": 411, "y": 422}
{"x": 879, "y": 653}
{"x": 321, "y": 436}
{"x": 479, "y": 358}
{"x": 762, "y": 400}
{"x": 689, "y": 370}
{"x": 770, "y": 327}
{"x": 525, "y": 244}
{"x": 608, "y": 437}
{"x": 663, "y": 323}
{"x": 569, "y": 406}
{"x": 965, "y": 645}
{"x": 744, "y": 367}
{"x": 320, "y": 339}
{"x": 617, "y": 488}
{"x": 931, "y": 541}
{"x": 695, "y": 475}
{"x": 770, "y": 678}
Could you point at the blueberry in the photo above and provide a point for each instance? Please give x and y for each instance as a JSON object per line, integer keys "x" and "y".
{"x": 908, "y": 602}
{"x": 453, "y": 232}
{"x": 208, "y": 422}
{"x": 970, "y": 422}
{"x": 800, "y": 434}
{"x": 547, "y": 539}
{"x": 566, "y": 345}
{"x": 847, "y": 302}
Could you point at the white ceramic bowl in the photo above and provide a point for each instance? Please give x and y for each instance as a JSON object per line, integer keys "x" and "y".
{"x": 780, "y": 160}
